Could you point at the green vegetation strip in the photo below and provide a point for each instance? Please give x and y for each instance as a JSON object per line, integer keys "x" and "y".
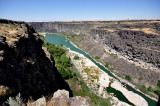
{"x": 62, "y": 63}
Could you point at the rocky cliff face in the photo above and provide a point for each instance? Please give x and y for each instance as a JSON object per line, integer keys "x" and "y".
{"x": 135, "y": 41}
{"x": 25, "y": 66}
{"x": 61, "y": 98}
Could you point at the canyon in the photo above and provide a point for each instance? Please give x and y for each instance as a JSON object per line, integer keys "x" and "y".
{"x": 131, "y": 47}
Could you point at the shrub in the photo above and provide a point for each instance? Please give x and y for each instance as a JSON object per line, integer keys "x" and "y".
{"x": 127, "y": 77}
{"x": 157, "y": 92}
{"x": 140, "y": 78}
{"x": 66, "y": 74}
{"x": 114, "y": 55}
{"x": 41, "y": 37}
{"x": 106, "y": 64}
{"x": 150, "y": 89}
{"x": 96, "y": 57}
{"x": 158, "y": 84}
{"x": 111, "y": 68}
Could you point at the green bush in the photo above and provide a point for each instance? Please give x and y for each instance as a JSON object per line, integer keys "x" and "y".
{"x": 127, "y": 77}
{"x": 115, "y": 56}
{"x": 96, "y": 57}
{"x": 158, "y": 84}
{"x": 140, "y": 78}
{"x": 41, "y": 37}
{"x": 157, "y": 92}
{"x": 66, "y": 74}
{"x": 106, "y": 64}
{"x": 150, "y": 89}
{"x": 143, "y": 88}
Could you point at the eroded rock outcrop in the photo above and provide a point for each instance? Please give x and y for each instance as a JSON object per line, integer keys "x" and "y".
{"x": 25, "y": 67}
{"x": 61, "y": 98}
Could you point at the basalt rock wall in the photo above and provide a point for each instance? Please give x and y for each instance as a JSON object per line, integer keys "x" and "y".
{"x": 25, "y": 66}
{"x": 133, "y": 39}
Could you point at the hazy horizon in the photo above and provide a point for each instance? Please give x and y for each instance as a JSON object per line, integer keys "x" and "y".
{"x": 82, "y": 10}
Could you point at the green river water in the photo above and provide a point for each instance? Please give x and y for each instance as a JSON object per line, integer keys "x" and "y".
{"x": 59, "y": 39}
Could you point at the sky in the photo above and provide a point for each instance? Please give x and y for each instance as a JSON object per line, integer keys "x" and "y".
{"x": 78, "y": 10}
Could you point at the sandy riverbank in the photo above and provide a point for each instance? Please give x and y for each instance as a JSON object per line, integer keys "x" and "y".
{"x": 97, "y": 80}
{"x": 43, "y": 33}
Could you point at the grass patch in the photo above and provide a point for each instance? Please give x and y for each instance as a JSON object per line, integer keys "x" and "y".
{"x": 115, "y": 56}
{"x": 93, "y": 73}
{"x": 12, "y": 26}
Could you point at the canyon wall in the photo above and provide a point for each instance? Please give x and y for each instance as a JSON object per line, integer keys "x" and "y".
{"x": 25, "y": 66}
{"x": 137, "y": 40}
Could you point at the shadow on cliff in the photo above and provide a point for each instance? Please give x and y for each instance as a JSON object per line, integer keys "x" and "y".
{"x": 26, "y": 69}
{"x": 31, "y": 75}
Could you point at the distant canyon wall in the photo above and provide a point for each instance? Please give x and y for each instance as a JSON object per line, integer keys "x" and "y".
{"x": 133, "y": 39}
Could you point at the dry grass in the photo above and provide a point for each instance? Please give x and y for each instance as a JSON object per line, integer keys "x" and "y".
{"x": 3, "y": 90}
{"x": 10, "y": 40}
{"x": 109, "y": 30}
{"x": 10, "y": 32}
{"x": 9, "y": 29}
{"x": 92, "y": 72}
{"x": 145, "y": 30}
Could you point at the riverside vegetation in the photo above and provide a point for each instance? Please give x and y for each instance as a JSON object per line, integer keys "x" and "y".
{"x": 62, "y": 63}
{"x": 71, "y": 75}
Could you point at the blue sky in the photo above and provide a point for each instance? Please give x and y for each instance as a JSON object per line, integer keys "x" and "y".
{"x": 79, "y": 10}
